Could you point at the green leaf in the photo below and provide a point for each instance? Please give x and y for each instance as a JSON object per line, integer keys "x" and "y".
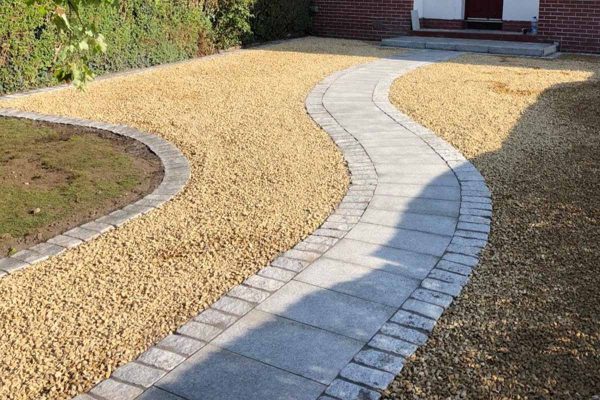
{"x": 83, "y": 45}
{"x": 101, "y": 43}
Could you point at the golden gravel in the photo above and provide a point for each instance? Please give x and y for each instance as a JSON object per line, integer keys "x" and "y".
{"x": 526, "y": 326}
{"x": 263, "y": 176}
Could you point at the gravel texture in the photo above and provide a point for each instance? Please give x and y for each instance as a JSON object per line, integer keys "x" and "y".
{"x": 263, "y": 176}
{"x": 527, "y": 325}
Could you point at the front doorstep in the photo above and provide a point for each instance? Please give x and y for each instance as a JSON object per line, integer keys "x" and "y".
{"x": 474, "y": 46}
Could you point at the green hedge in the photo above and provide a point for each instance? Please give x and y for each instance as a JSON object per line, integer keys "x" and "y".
{"x": 278, "y": 19}
{"x": 142, "y": 33}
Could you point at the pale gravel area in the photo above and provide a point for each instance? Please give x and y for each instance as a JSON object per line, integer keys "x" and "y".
{"x": 263, "y": 176}
{"x": 526, "y": 326}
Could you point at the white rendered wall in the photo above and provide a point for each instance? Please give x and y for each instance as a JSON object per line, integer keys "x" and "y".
{"x": 440, "y": 9}
{"x": 514, "y": 10}
{"x": 520, "y": 10}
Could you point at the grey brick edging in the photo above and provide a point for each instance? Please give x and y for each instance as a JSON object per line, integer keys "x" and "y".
{"x": 176, "y": 174}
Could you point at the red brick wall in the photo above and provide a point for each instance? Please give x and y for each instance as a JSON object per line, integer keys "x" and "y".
{"x": 430, "y": 23}
{"x": 515, "y": 26}
{"x": 574, "y": 23}
{"x": 362, "y": 19}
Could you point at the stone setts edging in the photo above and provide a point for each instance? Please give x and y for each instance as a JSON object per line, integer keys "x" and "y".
{"x": 176, "y": 174}
{"x": 336, "y": 316}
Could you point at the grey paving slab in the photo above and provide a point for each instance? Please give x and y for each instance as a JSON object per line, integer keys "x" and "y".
{"x": 366, "y": 283}
{"x": 424, "y": 308}
{"x": 420, "y": 242}
{"x": 411, "y": 177}
{"x": 349, "y": 391}
{"x": 65, "y": 241}
{"x": 397, "y": 144}
{"x": 388, "y": 259}
{"x": 12, "y": 264}
{"x": 367, "y": 376}
{"x": 413, "y": 320}
{"x": 428, "y": 192}
{"x": 416, "y": 205}
{"x": 391, "y": 169}
{"x": 393, "y": 345}
{"x": 329, "y": 310}
{"x": 181, "y": 344}
{"x": 216, "y": 318}
{"x": 409, "y": 160}
{"x": 295, "y": 347}
{"x": 113, "y": 389}
{"x": 437, "y": 224}
{"x": 138, "y": 374}
{"x": 217, "y": 374}
{"x": 155, "y": 393}
{"x": 380, "y": 360}
{"x": 29, "y": 256}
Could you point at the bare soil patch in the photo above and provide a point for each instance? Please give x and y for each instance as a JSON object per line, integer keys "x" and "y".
{"x": 263, "y": 176}
{"x": 55, "y": 177}
{"x": 526, "y": 326}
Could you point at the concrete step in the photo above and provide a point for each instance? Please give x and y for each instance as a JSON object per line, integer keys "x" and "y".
{"x": 480, "y": 34}
{"x": 472, "y": 45}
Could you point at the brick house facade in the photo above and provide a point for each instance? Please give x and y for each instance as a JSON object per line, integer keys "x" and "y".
{"x": 575, "y": 24}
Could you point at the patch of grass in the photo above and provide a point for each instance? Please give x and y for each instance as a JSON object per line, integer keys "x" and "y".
{"x": 50, "y": 172}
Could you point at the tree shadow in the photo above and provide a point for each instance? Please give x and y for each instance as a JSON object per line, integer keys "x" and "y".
{"x": 529, "y": 316}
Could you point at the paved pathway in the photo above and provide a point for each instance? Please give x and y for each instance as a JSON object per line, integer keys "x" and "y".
{"x": 336, "y": 316}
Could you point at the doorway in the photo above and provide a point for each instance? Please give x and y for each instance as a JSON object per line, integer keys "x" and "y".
{"x": 484, "y": 9}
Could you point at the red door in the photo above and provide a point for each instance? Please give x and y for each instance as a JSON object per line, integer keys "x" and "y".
{"x": 484, "y": 9}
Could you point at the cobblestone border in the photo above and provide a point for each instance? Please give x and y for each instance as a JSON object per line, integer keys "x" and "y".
{"x": 176, "y": 174}
{"x": 133, "y": 378}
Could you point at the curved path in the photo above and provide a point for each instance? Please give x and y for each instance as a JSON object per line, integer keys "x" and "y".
{"x": 176, "y": 174}
{"x": 336, "y": 316}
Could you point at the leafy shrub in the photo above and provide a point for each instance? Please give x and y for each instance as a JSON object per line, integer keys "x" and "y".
{"x": 280, "y": 19}
{"x": 27, "y": 45}
{"x": 141, "y": 33}
{"x": 231, "y": 22}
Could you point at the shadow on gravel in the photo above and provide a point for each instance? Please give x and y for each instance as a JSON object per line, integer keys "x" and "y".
{"x": 527, "y": 326}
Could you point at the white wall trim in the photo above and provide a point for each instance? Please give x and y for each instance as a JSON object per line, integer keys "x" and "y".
{"x": 513, "y": 10}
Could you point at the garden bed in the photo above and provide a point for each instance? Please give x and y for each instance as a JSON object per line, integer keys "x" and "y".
{"x": 263, "y": 176}
{"x": 527, "y": 324}
{"x": 55, "y": 177}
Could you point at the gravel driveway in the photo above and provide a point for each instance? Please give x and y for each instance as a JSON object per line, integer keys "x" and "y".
{"x": 263, "y": 176}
